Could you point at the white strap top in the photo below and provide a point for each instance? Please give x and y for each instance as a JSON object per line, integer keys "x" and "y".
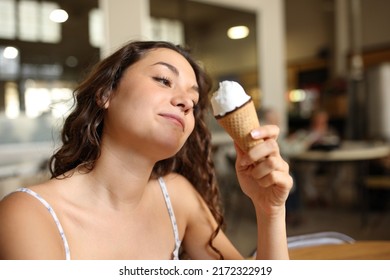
{"x": 55, "y": 218}
{"x": 173, "y": 219}
{"x": 175, "y": 254}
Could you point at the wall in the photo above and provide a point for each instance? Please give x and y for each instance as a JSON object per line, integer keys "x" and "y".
{"x": 310, "y": 26}
{"x": 375, "y": 23}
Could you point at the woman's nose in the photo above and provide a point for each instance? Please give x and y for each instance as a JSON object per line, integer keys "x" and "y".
{"x": 183, "y": 101}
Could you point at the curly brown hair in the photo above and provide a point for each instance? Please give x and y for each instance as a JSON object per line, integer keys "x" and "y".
{"x": 82, "y": 130}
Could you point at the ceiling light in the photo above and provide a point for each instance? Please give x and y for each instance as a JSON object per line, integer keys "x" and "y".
{"x": 10, "y": 53}
{"x": 59, "y": 16}
{"x": 238, "y": 32}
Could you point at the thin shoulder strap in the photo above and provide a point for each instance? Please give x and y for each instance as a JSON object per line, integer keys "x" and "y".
{"x": 54, "y": 216}
{"x": 172, "y": 216}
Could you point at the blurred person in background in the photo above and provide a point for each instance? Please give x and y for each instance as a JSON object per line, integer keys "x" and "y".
{"x": 318, "y": 136}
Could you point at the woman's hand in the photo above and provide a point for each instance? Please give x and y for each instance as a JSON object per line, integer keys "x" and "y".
{"x": 263, "y": 174}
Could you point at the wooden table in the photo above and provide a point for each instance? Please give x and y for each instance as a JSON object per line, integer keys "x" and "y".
{"x": 360, "y": 250}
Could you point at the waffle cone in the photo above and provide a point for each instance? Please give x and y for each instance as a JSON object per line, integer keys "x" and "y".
{"x": 239, "y": 123}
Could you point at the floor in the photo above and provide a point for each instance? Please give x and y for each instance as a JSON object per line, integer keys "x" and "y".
{"x": 241, "y": 223}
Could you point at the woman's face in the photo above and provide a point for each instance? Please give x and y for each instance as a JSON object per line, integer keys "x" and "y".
{"x": 152, "y": 107}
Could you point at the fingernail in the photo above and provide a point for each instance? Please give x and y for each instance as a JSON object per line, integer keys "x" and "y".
{"x": 255, "y": 134}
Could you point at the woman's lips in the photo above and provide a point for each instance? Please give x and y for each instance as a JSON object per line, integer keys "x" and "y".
{"x": 175, "y": 119}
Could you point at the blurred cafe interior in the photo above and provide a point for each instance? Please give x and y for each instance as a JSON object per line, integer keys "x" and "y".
{"x": 294, "y": 56}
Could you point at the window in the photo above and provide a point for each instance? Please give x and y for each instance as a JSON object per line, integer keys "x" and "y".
{"x": 50, "y": 31}
{"x": 9, "y": 66}
{"x": 96, "y": 28}
{"x": 12, "y": 107}
{"x": 42, "y": 97}
{"x": 168, "y": 30}
{"x": 7, "y": 19}
{"x": 28, "y": 21}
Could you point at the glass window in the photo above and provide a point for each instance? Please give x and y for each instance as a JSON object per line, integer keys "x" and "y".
{"x": 50, "y": 30}
{"x": 42, "y": 97}
{"x": 96, "y": 28}
{"x": 28, "y": 20}
{"x": 34, "y": 22}
{"x": 9, "y": 63}
{"x": 7, "y": 19}
{"x": 12, "y": 107}
{"x": 167, "y": 30}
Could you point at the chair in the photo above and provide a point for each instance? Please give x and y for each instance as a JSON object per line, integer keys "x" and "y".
{"x": 318, "y": 238}
{"x": 315, "y": 239}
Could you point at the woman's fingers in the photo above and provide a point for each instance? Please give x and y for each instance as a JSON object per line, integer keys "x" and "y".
{"x": 258, "y": 153}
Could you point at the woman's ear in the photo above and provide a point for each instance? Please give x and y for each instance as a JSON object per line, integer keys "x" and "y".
{"x": 103, "y": 98}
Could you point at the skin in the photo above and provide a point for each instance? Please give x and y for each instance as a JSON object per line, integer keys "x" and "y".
{"x": 116, "y": 211}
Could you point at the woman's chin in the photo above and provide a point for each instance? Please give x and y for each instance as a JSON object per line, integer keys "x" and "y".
{"x": 169, "y": 149}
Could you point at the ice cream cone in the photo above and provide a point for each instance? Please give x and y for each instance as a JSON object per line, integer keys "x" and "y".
{"x": 239, "y": 123}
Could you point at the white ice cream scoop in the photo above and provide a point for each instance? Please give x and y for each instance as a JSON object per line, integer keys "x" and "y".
{"x": 229, "y": 96}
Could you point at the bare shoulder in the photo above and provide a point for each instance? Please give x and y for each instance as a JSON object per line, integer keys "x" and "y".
{"x": 181, "y": 189}
{"x": 179, "y": 182}
{"x": 27, "y": 230}
{"x": 185, "y": 198}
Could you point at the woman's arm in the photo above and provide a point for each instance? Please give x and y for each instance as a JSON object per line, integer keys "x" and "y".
{"x": 264, "y": 177}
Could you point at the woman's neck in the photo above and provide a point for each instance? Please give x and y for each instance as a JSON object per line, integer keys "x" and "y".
{"x": 120, "y": 177}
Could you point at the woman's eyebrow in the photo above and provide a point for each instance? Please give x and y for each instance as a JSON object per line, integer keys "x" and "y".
{"x": 169, "y": 66}
{"x": 175, "y": 71}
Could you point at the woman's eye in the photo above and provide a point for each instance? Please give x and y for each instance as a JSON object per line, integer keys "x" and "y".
{"x": 163, "y": 80}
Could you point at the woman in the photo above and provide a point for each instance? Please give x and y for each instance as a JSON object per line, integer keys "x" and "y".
{"x": 134, "y": 178}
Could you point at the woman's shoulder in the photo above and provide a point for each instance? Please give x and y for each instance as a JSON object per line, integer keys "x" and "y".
{"x": 19, "y": 201}
{"x": 183, "y": 194}
{"x": 178, "y": 185}
{"x": 26, "y": 228}
{"x": 17, "y": 207}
